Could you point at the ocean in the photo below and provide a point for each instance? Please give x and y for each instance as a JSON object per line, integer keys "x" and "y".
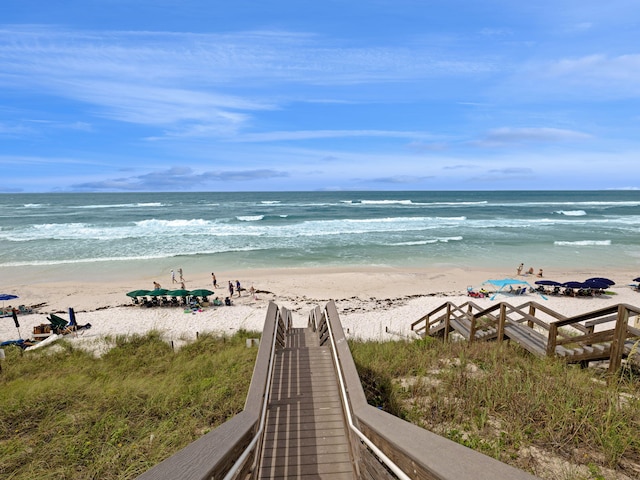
{"x": 104, "y": 232}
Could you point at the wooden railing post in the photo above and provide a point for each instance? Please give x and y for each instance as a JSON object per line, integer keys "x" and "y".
{"x": 619, "y": 336}
{"x": 501, "y": 321}
{"x": 532, "y": 312}
{"x": 472, "y": 330}
{"x": 553, "y": 338}
{"x": 447, "y": 326}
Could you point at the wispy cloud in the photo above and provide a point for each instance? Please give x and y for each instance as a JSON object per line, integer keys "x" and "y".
{"x": 510, "y": 135}
{"x": 176, "y": 178}
{"x": 182, "y": 80}
{"x": 318, "y": 134}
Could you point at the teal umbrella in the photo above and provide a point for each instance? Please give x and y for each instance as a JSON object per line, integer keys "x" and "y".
{"x": 157, "y": 292}
{"x": 138, "y": 293}
{"x": 202, "y": 292}
{"x": 178, "y": 293}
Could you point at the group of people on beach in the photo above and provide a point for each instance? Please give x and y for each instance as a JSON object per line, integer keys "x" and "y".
{"x": 233, "y": 286}
{"x": 529, "y": 272}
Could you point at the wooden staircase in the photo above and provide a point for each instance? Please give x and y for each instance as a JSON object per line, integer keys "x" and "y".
{"x": 541, "y": 330}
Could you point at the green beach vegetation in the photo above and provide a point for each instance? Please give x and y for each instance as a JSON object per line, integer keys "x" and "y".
{"x": 69, "y": 414}
{"x": 555, "y": 420}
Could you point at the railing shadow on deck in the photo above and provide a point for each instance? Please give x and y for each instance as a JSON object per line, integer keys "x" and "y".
{"x": 539, "y": 329}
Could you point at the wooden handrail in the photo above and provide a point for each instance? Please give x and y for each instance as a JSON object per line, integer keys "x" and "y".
{"x": 212, "y": 455}
{"x": 584, "y": 324}
{"x": 420, "y": 453}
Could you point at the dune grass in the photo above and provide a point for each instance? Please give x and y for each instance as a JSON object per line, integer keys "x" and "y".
{"x": 506, "y": 403}
{"x": 66, "y": 414}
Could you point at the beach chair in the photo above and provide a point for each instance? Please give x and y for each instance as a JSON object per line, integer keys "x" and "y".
{"x": 24, "y": 310}
{"x": 58, "y": 324}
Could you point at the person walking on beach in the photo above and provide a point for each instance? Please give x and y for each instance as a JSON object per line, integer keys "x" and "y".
{"x": 213, "y": 279}
{"x": 173, "y": 276}
{"x": 230, "y": 289}
{"x": 238, "y": 286}
{"x": 180, "y": 273}
{"x": 520, "y": 267}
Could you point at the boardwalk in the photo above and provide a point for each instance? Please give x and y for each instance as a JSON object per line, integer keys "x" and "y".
{"x": 542, "y": 331}
{"x": 305, "y": 431}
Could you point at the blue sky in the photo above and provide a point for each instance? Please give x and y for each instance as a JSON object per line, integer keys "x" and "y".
{"x": 186, "y": 95}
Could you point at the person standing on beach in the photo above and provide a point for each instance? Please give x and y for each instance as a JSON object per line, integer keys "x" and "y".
{"x": 180, "y": 273}
{"x": 213, "y": 279}
{"x": 173, "y": 276}
{"x": 520, "y": 267}
{"x": 238, "y": 286}
{"x": 230, "y": 289}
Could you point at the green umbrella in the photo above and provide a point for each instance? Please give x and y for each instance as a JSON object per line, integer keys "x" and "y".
{"x": 157, "y": 292}
{"x": 138, "y": 293}
{"x": 178, "y": 293}
{"x": 202, "y": 292}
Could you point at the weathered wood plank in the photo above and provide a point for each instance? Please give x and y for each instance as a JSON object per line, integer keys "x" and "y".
{"x": 305, "y": 434}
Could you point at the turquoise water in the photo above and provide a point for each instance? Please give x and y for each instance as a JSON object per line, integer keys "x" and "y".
{"x": 311, "y": 229}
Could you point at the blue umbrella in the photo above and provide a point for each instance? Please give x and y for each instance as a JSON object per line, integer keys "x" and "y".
{"x": 549, "y": 283}
{"x": 574, "y": 285}
{"x": 7, "y": 296}
{"x": 636, "y": 279}
{"x": 595, "y": 283}
{"x": 600, "y": 280}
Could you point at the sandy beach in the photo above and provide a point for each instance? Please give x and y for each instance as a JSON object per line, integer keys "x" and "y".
{"x": 374, "y": 303}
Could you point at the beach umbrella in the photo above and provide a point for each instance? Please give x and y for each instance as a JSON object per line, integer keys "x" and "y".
{"x": 178, "y": 293}
{"x": 157, "y": 292}
{"x": 6, "y": 296}
{"x": 138, "y": 293}
{"x": 201, "y": 292}
{"x": 574, "y": 285}
{"x": 548, "y": 283}
{"x": 595, "y": 283}
{"x": 636, "y": 279}
{"x": 600, "y": 280}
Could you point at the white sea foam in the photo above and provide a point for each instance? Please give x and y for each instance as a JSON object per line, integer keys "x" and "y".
{"x": 583, "y": 243}
{"x": 426, "y": 242}
{"x": 572, "y": 213}
{"x": 120, "y": 205}
{"x": 250, "y": 218}
{"x": 385, "y": 202}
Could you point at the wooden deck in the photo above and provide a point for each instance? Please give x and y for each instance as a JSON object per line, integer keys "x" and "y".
{"x": 305, "y": 434}
{"x": 542, "y": 331}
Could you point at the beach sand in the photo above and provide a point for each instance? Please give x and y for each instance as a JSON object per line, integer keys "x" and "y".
{"x": 374, "y": 303}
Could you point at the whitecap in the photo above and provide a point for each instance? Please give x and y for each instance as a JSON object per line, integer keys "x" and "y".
{"x": 583, "y": 243}
{"x": 572, "y": 213}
